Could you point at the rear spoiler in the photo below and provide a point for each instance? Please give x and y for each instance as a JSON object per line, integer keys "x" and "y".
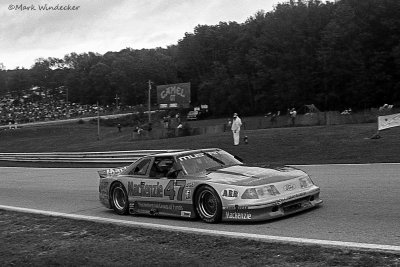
{"x": 111, "y": 172}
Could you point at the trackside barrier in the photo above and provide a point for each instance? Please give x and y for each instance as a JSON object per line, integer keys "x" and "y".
{"x": 106, "y": 154}
{"x": 111, "y": 158}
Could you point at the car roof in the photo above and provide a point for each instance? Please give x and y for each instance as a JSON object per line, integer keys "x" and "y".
{"x": 181, "y": 152}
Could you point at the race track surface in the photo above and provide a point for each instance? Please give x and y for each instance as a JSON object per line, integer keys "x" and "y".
{"x": 361, "y": 202}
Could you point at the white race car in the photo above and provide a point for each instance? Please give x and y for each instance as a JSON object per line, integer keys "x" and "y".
{"x": 207, "y": 183}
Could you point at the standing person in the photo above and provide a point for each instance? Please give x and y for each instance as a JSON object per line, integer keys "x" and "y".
{"x": 293, "y": 114}
{"x": 236, "y": 123}
{"x": 228, "y": 125}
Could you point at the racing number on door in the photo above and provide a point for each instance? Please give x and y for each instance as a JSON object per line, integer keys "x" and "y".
{"x": 170, "y": 189}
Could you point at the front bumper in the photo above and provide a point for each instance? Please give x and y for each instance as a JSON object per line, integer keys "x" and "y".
{"x": 271, "y": 210}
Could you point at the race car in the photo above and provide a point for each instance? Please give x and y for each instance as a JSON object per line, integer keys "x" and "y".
{"x": 209, "y": 184}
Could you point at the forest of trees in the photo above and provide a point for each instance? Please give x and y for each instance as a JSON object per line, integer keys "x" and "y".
{"x": 335, "y": 55}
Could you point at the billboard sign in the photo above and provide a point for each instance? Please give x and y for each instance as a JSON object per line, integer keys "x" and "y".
{"x": 174, "y": 95}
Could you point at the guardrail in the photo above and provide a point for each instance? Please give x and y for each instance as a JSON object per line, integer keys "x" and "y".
{"x": 75, "y": 159}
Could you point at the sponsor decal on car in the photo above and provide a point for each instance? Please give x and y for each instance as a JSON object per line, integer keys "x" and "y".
{"x": 198, "y": 155}
{"x": 280, "y": 201}
{"x": 145, "y": 190}
{"x": 115, "y": 171}
{"x": 238, "y": 215}
{"x": 159, "y": 205}
{"x": 289, "y": 187}
{"x": 229, "y": 194}
{"x": 188, "y": 194}
{"x": 236, "y": 208}
{"x": 157, "y": 190}
{"x": 190, "y": 185}
{"x": 186, "y": 213}
{"x": 193, "y": 156}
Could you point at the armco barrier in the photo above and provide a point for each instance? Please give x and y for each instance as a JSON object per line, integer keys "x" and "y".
{"x": 75, "y": 159}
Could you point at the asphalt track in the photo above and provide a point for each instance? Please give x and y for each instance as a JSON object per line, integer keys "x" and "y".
{"x": 361, "y": 204}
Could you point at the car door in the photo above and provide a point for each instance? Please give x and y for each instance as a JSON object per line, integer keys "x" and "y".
{"x": 157, "y": 194}
{"x": 133, "y": 176}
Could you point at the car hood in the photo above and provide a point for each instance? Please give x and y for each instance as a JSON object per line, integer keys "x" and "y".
{"x": 241, "y": 175}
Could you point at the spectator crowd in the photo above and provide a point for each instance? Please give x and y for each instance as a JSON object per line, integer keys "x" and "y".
{"x": 37, "y": 105}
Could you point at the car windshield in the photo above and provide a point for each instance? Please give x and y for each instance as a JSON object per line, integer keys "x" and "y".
{"x": 203, "y": 161}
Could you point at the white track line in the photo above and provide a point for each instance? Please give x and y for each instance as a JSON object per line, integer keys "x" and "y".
{"x": 353, "y": 245}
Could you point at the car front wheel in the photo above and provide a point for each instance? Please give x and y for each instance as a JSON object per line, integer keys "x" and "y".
{"x": 119, "y": 199}
{"x": 208, "y": 205}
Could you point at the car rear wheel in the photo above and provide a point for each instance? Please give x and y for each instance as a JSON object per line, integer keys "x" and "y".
{"x": 208, "y": 205}
{"x": 119, "y": 199}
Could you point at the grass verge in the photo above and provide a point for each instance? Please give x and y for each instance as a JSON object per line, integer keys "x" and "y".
{"x": 37, "y": 240}
{"x": 294, "y": 145}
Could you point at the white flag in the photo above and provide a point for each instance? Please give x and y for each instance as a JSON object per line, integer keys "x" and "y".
{"x": 388, "y": 121}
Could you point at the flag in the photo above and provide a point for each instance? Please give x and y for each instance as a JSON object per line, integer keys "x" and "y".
{"x": 388, "y": 121}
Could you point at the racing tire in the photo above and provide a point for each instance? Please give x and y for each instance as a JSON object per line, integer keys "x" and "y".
{"x": 208, "y": 205}
{"x": 119, "y": 199}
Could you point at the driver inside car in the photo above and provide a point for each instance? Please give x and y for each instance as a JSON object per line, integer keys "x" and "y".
{"x": 160, "y": 168}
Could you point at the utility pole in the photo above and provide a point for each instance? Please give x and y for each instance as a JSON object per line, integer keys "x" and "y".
{"x": 67, "y": 103}
{"x": 149, "y": 102}
{"x": 98, "y": 121}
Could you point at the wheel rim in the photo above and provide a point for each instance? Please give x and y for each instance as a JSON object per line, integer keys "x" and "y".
{"x": 119, "y": 198}
{"x": 208, "y": 204}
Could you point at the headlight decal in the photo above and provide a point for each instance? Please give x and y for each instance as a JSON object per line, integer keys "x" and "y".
{"x": 305, "y": 182}
{"x": 260, "y": 192}
{"x": 250, "y": 193}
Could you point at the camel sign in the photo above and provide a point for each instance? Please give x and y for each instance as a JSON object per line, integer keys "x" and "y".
{"x": 174, "y": 95}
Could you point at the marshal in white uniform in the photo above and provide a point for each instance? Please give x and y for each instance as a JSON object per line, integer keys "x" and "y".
{"x": 236, "y": 123}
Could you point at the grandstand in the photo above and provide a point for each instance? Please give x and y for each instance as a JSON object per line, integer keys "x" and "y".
{"x": 37, "y": 104}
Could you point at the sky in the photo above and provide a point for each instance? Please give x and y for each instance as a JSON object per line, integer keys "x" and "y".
{"x": 27, "y": 32}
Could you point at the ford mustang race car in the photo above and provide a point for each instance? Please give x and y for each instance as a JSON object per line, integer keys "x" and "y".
{"x": 208, "y": 183}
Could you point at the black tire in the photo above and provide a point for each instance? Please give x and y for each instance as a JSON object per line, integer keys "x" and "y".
{"x": 119, "y": 199}
{"x": 208, "y": 205}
